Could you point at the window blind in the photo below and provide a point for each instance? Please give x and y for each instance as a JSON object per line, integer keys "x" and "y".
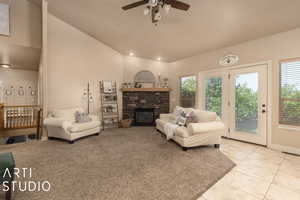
{"x": 290, "y": 93}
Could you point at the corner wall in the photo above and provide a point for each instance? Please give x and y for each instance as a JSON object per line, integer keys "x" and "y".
{"x": 74, "y": 59}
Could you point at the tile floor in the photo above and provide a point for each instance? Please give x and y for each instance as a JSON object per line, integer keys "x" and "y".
{"x": 260, "y": 174}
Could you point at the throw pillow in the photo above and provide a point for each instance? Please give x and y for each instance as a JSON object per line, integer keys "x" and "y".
{"x": 181, "y": 119}
{"x": 178, "y": 110}
{"x": 205, "y": 116}
{"x": 82, "y": 117}
{"x": 191, "y": 118}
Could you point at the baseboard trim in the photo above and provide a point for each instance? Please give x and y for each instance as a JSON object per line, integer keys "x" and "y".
{"x": 286, "y": 149}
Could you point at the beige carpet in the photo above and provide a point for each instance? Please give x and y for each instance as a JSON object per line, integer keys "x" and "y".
{"x": 120, "y": 164}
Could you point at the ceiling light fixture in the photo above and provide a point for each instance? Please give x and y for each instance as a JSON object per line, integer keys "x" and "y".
{"x": 167, "y": 8}
{"x": 153, "y": 7}
{"x": 6, "y": 66}
{"x": 147, "y": 10}
{"x": 131, "y": 54}
{"x": 159, "y": 58}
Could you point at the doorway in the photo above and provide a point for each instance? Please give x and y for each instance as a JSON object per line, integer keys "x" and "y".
{"x": 247, "y": 104}
{"x": 239, "y": 96}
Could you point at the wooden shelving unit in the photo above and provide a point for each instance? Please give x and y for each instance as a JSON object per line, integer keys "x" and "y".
{"x": 109, "y": 106}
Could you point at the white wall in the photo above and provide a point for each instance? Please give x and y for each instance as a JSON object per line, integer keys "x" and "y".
{"x": 74, "y": 58}
{"x": 274, "y": 48}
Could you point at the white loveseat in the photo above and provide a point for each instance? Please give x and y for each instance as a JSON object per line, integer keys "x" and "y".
{"x": 61, "y": 124}
{"x": 206, "y": 131}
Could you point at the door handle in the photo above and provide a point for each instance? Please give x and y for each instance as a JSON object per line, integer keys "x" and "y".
{"x": 263, "y": 111}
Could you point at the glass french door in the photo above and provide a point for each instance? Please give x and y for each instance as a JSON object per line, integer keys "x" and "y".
{"x": 212, "y": 96}
{"x": 248, "y": 104}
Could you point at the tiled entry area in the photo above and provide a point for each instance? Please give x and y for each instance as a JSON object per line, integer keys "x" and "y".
{"x": 260, "y": 174}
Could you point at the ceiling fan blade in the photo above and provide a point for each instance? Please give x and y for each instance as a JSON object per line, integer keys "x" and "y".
{"x": 179, "y": 5}
{"x": 136, "y": 4}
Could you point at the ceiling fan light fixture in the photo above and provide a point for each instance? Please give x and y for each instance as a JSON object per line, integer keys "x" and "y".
{"x": 153, "y": 2}
{"x": 157, "y": 16}
{"x": 229, "y": 60}
{"x": 153, "y": 7}
{"x": 147, "y": 10}
{"x": 167, "y": 8}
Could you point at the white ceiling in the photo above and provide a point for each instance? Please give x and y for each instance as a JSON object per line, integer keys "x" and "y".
{"x": 208, "y": 25}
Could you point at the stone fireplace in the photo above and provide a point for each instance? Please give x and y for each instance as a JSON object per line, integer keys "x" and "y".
{"x": 145, "y": 105}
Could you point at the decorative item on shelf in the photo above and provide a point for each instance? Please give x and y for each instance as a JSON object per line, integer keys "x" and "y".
{"x": 124, "y": 85}
{"x": 147, "y": 85}
{"x": 166, "y": 83}
{"x": 137, "y": 85}
{"x": 109, "y": 104}
{"x": 127, "y": 85}
{"x": 87, "y": 94}
{"x": 107, "y": 87}
{"x": 159, "y": 81}
{"x": 145, "y": 79}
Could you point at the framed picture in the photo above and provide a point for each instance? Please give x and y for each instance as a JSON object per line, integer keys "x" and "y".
{"x": 4, "y": 19}
{"x": 147, "y": 85}
{"x": 107, "y": 87}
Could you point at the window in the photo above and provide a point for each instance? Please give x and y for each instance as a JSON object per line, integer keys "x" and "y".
{"x": 188, "y": 88}
{"x": 289, "y": 112}
{"x": 4, "y": 19}
{"x": 213, "y": 95}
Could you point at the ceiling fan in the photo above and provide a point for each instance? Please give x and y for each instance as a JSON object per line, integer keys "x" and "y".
{"x": 154, "y": 6}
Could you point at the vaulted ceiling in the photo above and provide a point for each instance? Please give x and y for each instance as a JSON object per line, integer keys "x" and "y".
{"x": 208, "y": 25}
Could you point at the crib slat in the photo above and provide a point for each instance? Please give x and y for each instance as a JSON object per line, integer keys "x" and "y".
{"x": 18, "y": 117}
{"x": 2, "y": 123}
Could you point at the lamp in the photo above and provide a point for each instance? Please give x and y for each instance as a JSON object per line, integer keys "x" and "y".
{"x": 88, "y": 95}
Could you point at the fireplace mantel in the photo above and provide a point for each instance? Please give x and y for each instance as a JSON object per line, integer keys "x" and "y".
{"x": 145, "y": 89}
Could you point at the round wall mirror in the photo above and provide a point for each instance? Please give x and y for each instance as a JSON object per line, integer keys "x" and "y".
{"x": 144, "y": 77}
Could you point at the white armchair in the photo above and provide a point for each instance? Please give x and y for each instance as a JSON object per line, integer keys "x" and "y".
{"x": 61, "y": 124}
{"x": 207, "y": 131}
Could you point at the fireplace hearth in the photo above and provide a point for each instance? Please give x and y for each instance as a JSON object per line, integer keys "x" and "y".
{"x": 144, "y": 117}
{"x": 148, "y": 104}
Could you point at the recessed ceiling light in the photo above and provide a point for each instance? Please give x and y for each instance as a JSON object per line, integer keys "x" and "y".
{"x": 5, "y": 66}
{"x": 159, "y": 58}
{"x": 131, "y": 54}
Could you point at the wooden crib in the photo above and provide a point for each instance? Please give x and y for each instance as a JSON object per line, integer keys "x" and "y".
{"x": 20, "y": 120}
